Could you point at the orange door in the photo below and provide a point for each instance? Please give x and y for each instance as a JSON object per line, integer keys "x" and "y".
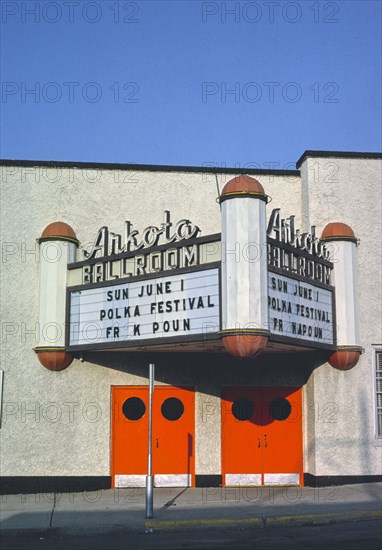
{"x": 282, "y": 436}
{"x": 242, "y": 460}
{"x": 129, "y": 436}
{"x": 262, "y": 436}
{"x": 173, "y": 436}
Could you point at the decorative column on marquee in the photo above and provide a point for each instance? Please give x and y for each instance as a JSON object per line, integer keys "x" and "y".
{"x": 245, "y": 328}
{"x": 58, "y": 244}
{"x": 345, "y": 281}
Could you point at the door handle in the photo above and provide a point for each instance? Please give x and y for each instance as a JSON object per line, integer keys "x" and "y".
{"x": 156, "y": 443}
{"x": 265, "y": 440}
{"x": 258, "y": 442}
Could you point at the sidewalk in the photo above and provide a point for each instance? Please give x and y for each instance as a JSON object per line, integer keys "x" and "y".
{"x": 116, "y": 510}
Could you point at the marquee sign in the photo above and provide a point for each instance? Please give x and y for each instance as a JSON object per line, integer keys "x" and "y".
{"x": 302, "y": 254}
{"x": 300, "y": 295}
{"x": 156, "y": 249}
{"x": 163, "y": 285}
{"x": 300, "y": 310}
{"x": 107, "y": 243}
{"x": 183, "y": 305}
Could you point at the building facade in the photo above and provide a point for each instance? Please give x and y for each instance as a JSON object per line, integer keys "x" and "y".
{"x": 256, "y": 295}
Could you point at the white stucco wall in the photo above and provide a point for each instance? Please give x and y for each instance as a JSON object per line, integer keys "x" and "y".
{"x": 58, "y": 423}
{"x": 341, "y": 425}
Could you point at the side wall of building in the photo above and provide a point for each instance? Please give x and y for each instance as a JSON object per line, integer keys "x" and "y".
{"x": 340, "y": 414}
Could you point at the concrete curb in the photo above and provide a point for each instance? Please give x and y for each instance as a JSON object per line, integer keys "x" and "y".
{"x": 271, "y": 521}
{"x": 169, "y": 525}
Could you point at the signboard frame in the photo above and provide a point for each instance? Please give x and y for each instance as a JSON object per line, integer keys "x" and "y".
{"x": 288, "y": 248}
{"x": 277, "y": 338}
{"x": 149, "y": 342}
{"x": 214, "y": 239}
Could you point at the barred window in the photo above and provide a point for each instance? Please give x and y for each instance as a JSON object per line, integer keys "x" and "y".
{"x": 378, "y": 389}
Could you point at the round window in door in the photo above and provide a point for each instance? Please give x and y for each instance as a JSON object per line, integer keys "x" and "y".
{"x": 172, "y": 408}
{"x": 242, "y": 409}
{"x": 280, "y": 408}
{"x": 133, "y": 408}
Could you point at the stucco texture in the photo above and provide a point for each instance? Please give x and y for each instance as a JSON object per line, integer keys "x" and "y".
{"x": 341, "y": 427}
{"x": 58, "y": 423}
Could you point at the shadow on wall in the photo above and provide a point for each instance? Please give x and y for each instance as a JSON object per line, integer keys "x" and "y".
{"x": 209, "y": 372}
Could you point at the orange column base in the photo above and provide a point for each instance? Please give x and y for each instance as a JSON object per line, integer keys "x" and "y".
{"x": 245, "y": 345}
{"x": 344, "y": 359}
{"x": 54, "y": 360}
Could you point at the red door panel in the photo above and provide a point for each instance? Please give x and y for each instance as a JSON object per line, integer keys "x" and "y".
{"x": 241, "y": 449}
{"x": 129, "y": 430}
{"x": 173, "y": 435}
{"x": 262, "y": 435}
{"x": 174, "y": 431}
{"x": 282, "y": 443}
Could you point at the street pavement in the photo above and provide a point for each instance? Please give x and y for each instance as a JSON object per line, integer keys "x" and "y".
{"x": 365, "y": 535}
{"x": 118, "y": 511}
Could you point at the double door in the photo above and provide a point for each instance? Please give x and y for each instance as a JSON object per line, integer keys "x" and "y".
{"x": 172, "y": 441}
{"x": 262, "y": 436}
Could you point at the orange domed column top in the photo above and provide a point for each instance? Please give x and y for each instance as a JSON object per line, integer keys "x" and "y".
{"x": 58, "y": 243}
{"x": 337, "y": 231}
{"x": 245, "y": 329}
{"x": 243, "y": 186}
{"x": 58, "y": 231}
{"x": 345, "y": 280}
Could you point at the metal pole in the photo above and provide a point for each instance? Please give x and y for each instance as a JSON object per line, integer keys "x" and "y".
{"x": 149, "y": 477}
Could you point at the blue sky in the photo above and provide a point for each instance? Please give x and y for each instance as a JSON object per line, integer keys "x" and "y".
{"x": 249, "y": 83}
